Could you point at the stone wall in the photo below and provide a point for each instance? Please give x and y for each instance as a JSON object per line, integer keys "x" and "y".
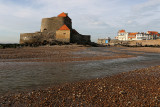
{"x": 30, "y": 38}
{"x": 48, "y": 36}
{"x": 63, "y": 35}
{"x": 50, "y": 32}
{"x": 68, "y": 22}
{"x": 54, "y": 23}
{"x": 80, "y": 39}
{"x": 86, "y": 38}
{"x": 102, "y": 41}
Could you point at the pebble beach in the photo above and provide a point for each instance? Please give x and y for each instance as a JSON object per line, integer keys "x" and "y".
{"x": 140, "y": 87}
{"x": 134, "y": 88}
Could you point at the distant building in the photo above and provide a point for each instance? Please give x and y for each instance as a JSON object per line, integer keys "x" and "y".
{"x": 127, "y": 36}
{"x": 104, "y": 41}
{"x": 154, "y": 34}
{"x": 143, "y": 36}
{"x": 132, "y": 36}
{"x": 55, "y": 29}
{"x": 122, "y": 35}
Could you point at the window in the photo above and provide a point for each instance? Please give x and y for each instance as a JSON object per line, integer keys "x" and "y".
{"x": 45, "y": 29}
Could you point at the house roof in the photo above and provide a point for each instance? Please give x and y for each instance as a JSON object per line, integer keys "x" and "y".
{"x": 152, "y": 32}
{"x": 132, "y": 33}
{"x": 122, "y": 31}
{"x": 62, "y": 15}
{"x": 64, "y": 27}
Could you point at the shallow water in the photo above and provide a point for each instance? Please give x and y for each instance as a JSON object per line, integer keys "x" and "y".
{"x": 24, "y": 75}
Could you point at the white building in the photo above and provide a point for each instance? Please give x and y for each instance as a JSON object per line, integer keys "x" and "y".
{"x": 122, "y": 35}
{"x": 128, "y": 36}
{"x": 143, "y": 36}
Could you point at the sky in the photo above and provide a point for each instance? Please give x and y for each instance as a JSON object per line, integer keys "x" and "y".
{"x": 98, "y": 18}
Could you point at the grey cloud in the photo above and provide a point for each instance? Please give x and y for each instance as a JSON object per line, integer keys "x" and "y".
{"x": 98, "y": 18}
{"x": 147, "y": 8}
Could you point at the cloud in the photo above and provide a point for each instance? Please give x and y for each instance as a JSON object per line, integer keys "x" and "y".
{"x": 96, "y": 17}
{"x": 93, "y": 21}
{"x": 141, "y": 17}
{"x": 146, "y": 12}
{"x": 147, "y": 6}
{"x": 21, "y": 17}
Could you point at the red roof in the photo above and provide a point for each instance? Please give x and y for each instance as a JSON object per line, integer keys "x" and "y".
{"x": 64, "y": 27}
{"x": 122, "y": 31}
{"x": 133, "y": 34}
{"x": 153, "y": 32}
{"x": 62, "y": 15}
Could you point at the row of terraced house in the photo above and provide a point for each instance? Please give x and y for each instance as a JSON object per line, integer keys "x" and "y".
{"x": 128, "y": 36}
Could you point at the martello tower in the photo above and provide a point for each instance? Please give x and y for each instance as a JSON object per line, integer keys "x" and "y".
{"x": 55, "y": 29}
{"x": 54, "y": 23}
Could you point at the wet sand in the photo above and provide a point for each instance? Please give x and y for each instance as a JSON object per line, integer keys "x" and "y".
{"x": 55, "y": 54}
{"x": 135, "y": 88}
{"x": 144, "y": 49}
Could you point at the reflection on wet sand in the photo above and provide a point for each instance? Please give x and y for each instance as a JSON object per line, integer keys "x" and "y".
{"x": 27, "y": 73}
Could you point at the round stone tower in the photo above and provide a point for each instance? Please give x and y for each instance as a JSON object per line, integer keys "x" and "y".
{"x": 54, "y": 23}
